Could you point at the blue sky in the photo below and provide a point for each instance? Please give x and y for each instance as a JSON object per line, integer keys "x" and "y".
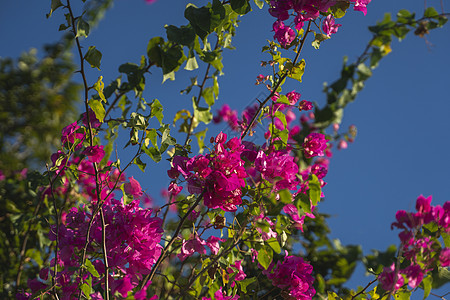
{"x": 402, "y": 115}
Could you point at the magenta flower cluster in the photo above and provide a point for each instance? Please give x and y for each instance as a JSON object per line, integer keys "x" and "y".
{"x": 218, "y": 175}
{"x": 305, "y": 10}
{"x": 314, "y": 145}
{"x": 132, "y": 245}
{"x": 293, "y": 275}
{"x": 133, "y": 233}
{"x": 421, "y": 252}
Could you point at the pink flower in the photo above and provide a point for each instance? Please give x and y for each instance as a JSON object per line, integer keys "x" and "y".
{"x": 283, "y": 34}
{"x": 174, "y": 188}
{"x": 278, "y": 167}
{"x": 305, "y": 105}
{"x": 95, "y": 153}
{"x": 329, "y": 27}
{"x": 69, "y": 134}
{"x": 390, "y": 279}
{"x": 293, "y": 97}
{"x": 414, "y": 274}
{"x": 294, "y": 275}
{"x": 133, "y": 187}
{"x": 240, "y": 272}
{"x": 189, "y": 247}
{"x": 314, "y": 145}
{"x": 342, "y": 144}
{"x": 150, "y": 1}
{"x": 213, "y": 243}
{"x": 360, "y": 5}
{"x": 95, "y": 123}
{"x": 444, "y": 257}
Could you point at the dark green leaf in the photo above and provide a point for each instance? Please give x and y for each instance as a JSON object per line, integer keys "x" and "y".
{"x": 82, "y": 28}
{"x": 184, "y": 35}
{"x": 154, "y": 51}
{"x": 200, "y": 19}
{"x": 140, "y": 164}
{"x": 240, "y": 6}
{"x": 340, "y": 8}
{"x": 245, "y": 283}
{"x": 55, "y": 4}
{"x": 93, "y": 57}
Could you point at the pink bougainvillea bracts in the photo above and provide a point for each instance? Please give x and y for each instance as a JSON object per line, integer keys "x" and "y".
{"x": 294, "y": 275}
{"x": 218, "y": 175}
{"x": 314, "y": 145}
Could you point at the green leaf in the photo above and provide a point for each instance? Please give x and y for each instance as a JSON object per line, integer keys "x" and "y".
{"x": 446, "y": 238}
{"x": 185, "y": 35}
{"x": 431, "y": 12}
{"x": 153, "y": 153}
{"x": 208, "y": 95}
{"x": 265, "y": 256}
{"x": 240, "y": 6}
{"x": 151, "y": 137}
{"x": 202, "y": 114}
{"x": 170, "y": 76}
{"x": 157, "y": 110}
{"x": 273, "y": 243}
{"x": 216, "y": 86}
{"x": 199, "y": 18}
{"x": 93, "y": 57}
{"x": 298, "y": 70}
{"x": 201, "y": 139}
{"x": 340, "y": 8}
{"x": 427, "y": 283}
{"x": 82, "y": 28}
{"x": 97, "y": 107}
{"x": 217, "y": 15}
{"x": 154, "y": 51}
{"x": 302, "y": 202}
{"x": 86, "y": 290}
{"x": 441, "y": 277}
{"x": 91, "y": 269}
{"x": 259, "y": 3}
{"x": 318, "y": 38}
{"x": 285, "y": 196}
{"x": 282, "y": 117}
{"x": 283, "y": 99}
{"x": 99, "y": 86}
{"x": 314, "y": 190}
{"x": 172, "y": 58}
{"x": 245, "y": 283}
{"x": 140, "y": 164}
{"x": 191, "y": 64}
{"x": 55, "y": 4}
{"x": 402, "y": 295}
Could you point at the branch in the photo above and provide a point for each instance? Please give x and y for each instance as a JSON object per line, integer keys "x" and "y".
{"x": 166, "y": 248}
{"x": 277, "y": 85}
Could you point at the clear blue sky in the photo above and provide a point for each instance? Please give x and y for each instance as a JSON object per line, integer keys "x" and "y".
{"x": 402, "y": 115}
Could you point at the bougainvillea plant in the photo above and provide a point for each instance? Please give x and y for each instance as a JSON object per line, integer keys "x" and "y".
{"x": 241, "y": 217}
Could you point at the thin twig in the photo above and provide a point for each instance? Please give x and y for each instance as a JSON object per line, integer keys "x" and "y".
{"x": 166, "y": 248}
{"x": 277, "y": 85}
